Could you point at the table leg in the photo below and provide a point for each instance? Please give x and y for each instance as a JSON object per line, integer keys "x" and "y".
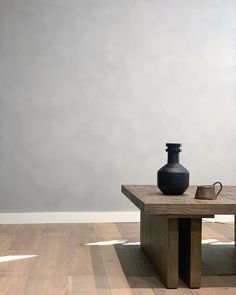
{"x": 234, "y": 230}
{"x": 144, "y": 231}
{"x": 190, "y": 251}
{"x": 159, "y": 240}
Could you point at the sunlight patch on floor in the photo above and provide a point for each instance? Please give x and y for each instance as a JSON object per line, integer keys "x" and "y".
{"x": 216, "y": 242}
{"x": 15, "y": 257}
{"x": 106, "y": 243}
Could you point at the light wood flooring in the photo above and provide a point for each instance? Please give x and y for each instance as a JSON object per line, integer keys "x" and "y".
{"x": 102, "y": 259}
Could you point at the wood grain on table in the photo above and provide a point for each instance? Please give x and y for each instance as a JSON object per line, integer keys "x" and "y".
{"x": 150, "y": 200}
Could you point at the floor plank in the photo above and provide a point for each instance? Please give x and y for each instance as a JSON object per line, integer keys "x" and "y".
{"x": 29, "y": 238}
{"x": 103, "y": 259}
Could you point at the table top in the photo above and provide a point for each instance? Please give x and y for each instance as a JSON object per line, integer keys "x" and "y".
{"x": 149, "y": 199}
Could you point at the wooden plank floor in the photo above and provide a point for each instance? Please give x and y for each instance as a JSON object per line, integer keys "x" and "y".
{"x": 102, "y": 259}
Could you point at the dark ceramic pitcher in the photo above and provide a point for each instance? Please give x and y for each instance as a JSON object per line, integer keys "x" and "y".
{"x": 173, "y": 178}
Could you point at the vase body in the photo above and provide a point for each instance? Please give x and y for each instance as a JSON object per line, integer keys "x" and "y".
{"x": 173, "y": 178}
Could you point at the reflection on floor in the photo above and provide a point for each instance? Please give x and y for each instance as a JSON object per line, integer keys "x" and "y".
{"x": 103, "y": 259}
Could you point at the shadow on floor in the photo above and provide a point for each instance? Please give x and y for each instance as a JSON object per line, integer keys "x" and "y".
{"x": 138, "y": 270}
{"x": 218, "y": 266}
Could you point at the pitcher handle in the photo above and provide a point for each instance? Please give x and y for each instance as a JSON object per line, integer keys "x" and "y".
{"x": 221, "y": 187}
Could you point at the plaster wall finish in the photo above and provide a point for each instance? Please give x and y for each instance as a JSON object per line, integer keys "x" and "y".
{"x": 90, "y": 92}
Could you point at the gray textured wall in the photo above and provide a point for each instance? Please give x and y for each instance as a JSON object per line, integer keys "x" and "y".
{"x": 90, "y": 91}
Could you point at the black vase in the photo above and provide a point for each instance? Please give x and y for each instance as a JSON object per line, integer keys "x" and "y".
{"x": 173, "y": 178}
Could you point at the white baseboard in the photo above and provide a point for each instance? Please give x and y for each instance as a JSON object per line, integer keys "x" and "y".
{"x": 68, "y": 217}
{"x": 221, "y": 218}
{"x": 84, "y": 217}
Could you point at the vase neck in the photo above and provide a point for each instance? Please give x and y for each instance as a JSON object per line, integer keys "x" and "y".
{"x": 173, "y": 157}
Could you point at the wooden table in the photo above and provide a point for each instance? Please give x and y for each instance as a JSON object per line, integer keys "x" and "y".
{"x": 171, "y": 228}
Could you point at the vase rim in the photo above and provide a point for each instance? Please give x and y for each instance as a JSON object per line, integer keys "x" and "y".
{"x": 173, "y": 144}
